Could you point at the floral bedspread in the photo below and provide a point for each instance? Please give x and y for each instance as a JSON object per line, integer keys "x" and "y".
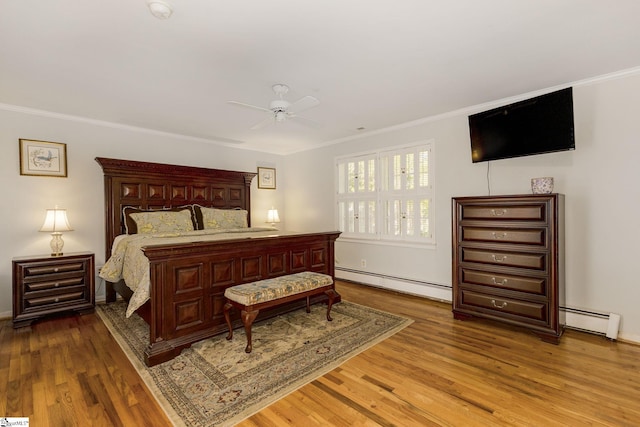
{"x": 128, "y": 262}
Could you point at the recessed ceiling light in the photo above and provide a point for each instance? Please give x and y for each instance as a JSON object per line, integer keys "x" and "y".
{"x": 160, "y": 8}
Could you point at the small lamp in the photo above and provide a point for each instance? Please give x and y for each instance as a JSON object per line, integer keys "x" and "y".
{"x": 56, "y": 222}
{"x": 272, "y": 216}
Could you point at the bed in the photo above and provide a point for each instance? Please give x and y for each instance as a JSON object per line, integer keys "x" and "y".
{"x": 187, "y": 279}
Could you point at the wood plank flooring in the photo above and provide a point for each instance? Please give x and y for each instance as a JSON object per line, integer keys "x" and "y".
{"x": 437, "y": 372}
{"x": 69, "y": 371}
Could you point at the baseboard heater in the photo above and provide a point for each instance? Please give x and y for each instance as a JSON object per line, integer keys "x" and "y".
{"x": 606, "y": 324}
{"x": 421, "y": 288}
{"x": 589, "y": 321}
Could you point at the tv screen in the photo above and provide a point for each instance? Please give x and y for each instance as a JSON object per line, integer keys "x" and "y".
{"x": 543, "y": 124}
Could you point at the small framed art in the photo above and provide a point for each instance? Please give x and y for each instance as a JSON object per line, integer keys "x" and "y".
{"x": 267, "y": 178}
{"x": 42, "y": 158}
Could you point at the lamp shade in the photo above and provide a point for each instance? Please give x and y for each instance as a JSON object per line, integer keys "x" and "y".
{"x": 56, "y": 221}
{"x": 272, "y": 216}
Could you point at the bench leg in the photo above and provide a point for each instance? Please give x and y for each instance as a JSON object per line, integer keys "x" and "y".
{"x": 332, "y": 296}
{"x": 308, "y": 305}
{"x": 226, "y": 309}
{"x": 247, "y": 320}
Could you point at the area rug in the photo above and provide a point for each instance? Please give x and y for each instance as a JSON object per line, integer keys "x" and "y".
{"x": 215, "y": 383}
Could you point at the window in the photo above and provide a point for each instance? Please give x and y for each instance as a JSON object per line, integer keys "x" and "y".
{"x": 386, "y": 195}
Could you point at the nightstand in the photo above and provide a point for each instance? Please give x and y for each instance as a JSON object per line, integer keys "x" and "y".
{"x": 45, "y": 285}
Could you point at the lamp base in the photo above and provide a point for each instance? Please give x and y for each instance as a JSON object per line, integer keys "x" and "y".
{"x": 56, "y": 244}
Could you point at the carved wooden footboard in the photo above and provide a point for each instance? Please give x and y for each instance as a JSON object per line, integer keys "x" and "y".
{"x": 188, "y": 283}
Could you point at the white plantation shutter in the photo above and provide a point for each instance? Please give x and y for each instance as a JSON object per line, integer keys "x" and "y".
{"x": 386, "y": 195}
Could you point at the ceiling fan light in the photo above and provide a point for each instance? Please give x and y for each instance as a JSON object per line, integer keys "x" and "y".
{"x": 280, "y": 116}
{"x": 160, "y": 9}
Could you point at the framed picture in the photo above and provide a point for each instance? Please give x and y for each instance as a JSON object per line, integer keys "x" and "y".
{"x": 267, "y": 178}
{"x": 42, "y": 158}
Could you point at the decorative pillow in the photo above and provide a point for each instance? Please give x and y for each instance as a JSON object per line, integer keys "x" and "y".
{"x": 163, "y": 221}
{"x": 130, "y": 223}
{"x": 222, "y": 219}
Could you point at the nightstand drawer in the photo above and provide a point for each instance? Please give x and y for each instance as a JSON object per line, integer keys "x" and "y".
{"x": 53, "y": 284}
{"x": 54, "y": 299}
{"x": 39, "y": 270}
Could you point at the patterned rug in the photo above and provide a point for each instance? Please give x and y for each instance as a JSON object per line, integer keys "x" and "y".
{"x": 215, "y": 383}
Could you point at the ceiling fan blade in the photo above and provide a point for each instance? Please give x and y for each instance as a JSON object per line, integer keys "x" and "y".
{"x": 304, "y": 103}
{"x": 305, "y": 121}
{"x": 254, "y": 107}
{"x": 263, "y": 123}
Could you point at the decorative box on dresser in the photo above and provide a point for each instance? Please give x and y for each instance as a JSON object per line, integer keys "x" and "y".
{"x": 508, "y": 261}
{"x": 45, "y": 285}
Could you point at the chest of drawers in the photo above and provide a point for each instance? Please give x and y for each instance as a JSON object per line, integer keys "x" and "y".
{"x": 47, "y": 285}
{"x": 508, "y": 261}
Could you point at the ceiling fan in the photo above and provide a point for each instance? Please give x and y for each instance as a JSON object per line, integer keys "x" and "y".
{"x": 280, "y": 110}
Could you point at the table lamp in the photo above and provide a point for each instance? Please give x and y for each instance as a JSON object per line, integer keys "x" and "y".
{"x": 56, "y": 222}
{"x": 272, "y": 216}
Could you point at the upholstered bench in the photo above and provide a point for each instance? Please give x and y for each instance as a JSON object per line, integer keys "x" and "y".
{"x": 250, "y": 298}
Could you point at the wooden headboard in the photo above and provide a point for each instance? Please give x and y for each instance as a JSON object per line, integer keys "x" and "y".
{"x": 156, "y": 185}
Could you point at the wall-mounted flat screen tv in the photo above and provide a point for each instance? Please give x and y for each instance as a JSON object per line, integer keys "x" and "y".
{"x": 543, "y": 124}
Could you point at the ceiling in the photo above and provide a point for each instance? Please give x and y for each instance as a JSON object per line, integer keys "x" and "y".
{"x": 372, "y": 64}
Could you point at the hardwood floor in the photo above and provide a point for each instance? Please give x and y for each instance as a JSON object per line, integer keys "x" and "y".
{"x": 70, "y": 372}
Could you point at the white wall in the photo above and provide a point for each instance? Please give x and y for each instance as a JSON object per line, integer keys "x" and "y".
{"x": 600, "y": 180}
{"x": 27, "y": 197}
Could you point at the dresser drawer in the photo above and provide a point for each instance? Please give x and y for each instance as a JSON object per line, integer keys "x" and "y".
{"x": 520, "y": 212}
{"x": 527, "y": 236}
{"x": 530, "y": 285}
{"x": 535, "y": 261}
{"x": 502, "y": 306}
{"x": 39, "y": 270}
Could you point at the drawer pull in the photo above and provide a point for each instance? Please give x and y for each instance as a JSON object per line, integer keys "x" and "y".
{"x": 499, "y": 212}
{"x": 58, "y": 300}
{"x": 499, "y": 236}
{"x": 501, "y": 283}
{"x": 503, "y": 305}
{"x": 499, "y": 259}
{"x": 56, "y": 285}
{"x": 55, "y": 270}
